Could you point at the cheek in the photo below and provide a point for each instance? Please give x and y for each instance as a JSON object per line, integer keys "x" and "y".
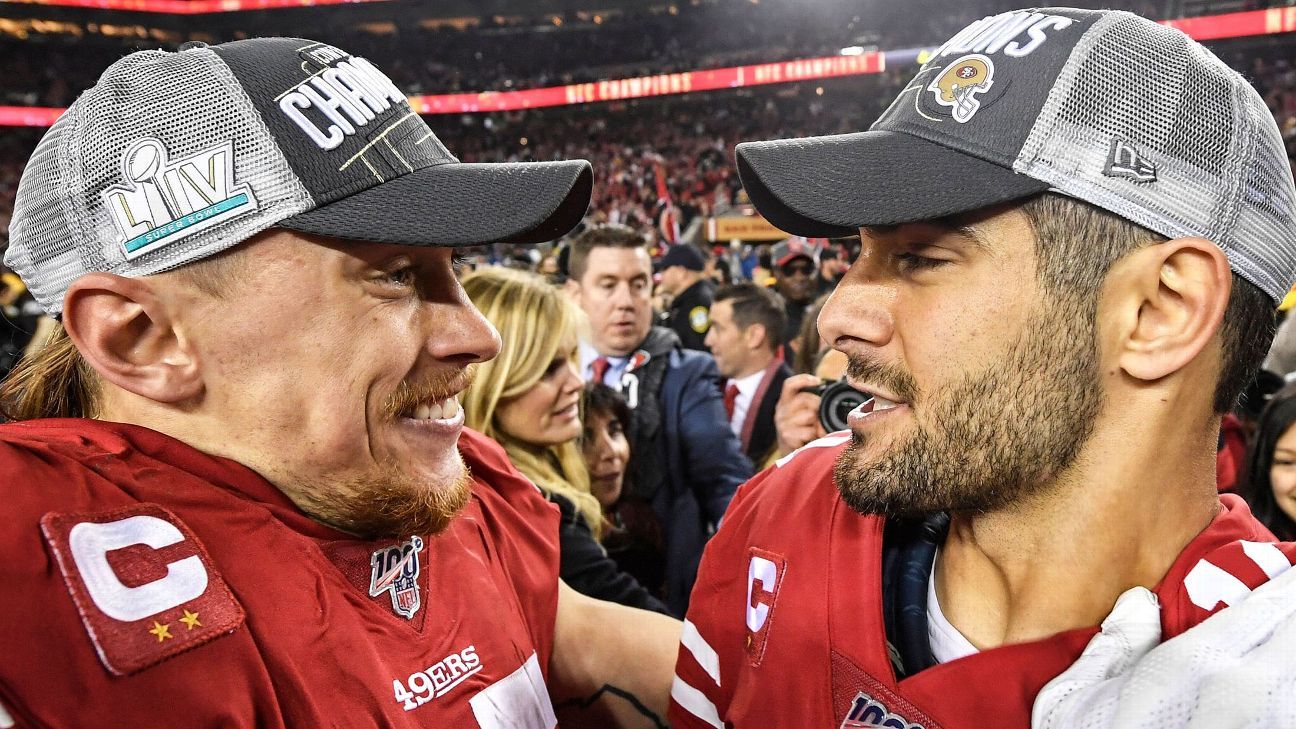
{"x": 955, "y": 332}
{"x": 619, "y": 447}
{"x": 1282, "y": 479}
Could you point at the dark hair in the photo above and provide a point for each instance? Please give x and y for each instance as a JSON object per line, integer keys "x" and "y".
{"x": 600, "y": 398}
{"x": 601, "y": 236}
{"x": 1077, "y": 244}
{"x": 754, "y": 304}
{"x": 1278, "y": 416}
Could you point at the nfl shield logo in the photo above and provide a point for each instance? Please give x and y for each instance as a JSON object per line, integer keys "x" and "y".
{"x": 396, "y": 570}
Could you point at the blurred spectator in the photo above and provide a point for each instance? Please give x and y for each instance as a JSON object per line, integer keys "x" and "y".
{"x": 795, "y": 262}
{"x": 1282, "y": 353}
{"x": 747, "y": 323}
{"x": 631, "y": 533}
{"x": 807, "y": 347}
{"x": 528, "y": 400}
{"x": 686, "y": 462}
{"x": 832, "y": 266}
{"x": 689, "y": 313}
{"x": 20, "y": 317}
{"x": 1271, "y": 466}
{"x": 606, "y": 443}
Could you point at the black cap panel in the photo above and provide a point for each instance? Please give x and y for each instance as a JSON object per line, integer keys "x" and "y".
{"x": 342, "y": 124}
{"x": 461, "y": 205}
{"x": 831, "y": 186}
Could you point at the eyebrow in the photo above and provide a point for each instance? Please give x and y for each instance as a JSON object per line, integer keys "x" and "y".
{"x": 956, "y": 224}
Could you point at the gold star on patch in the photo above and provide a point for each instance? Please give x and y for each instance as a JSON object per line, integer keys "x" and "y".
{"x": 161, "y": 631}
{"x": 191, "y": 620}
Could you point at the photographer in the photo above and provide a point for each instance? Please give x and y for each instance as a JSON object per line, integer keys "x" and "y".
{"x": 802, "y": 415}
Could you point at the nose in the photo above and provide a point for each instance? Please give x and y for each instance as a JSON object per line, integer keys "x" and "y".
{"x": 456, "y": 332}
{"x": 572, "y": 377}
{"x": 463, "y": 336}
{"x": 860, "y": 309}
{"x": 605, "y": 449}
{"x": 623, "y": 297}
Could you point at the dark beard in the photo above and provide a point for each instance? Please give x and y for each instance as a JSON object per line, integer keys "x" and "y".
{"x": 990, "y": 440}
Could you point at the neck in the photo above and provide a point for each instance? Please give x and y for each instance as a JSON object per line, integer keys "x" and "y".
{"x": 757, "y": 362}
{"x": 686, "y": 282}
{"x": 1117, "y": 518}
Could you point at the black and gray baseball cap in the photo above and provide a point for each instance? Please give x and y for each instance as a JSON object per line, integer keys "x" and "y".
{"x": 1104, "y": 106}
{"x": 173, "y": 157}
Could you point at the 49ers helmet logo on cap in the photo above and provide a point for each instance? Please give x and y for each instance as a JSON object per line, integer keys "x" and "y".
{"x": 958, "y": 85}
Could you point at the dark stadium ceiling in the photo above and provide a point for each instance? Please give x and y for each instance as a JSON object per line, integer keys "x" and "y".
{"x": 291, "y": 19}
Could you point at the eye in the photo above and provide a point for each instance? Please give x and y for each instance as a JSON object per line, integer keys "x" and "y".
{"x": 913, "y": 262}
{"x": 460, "y": 263}
{"x": 614, "y": 427}
{"x": 403, "y": 277}
{"x": 554, "y": 366}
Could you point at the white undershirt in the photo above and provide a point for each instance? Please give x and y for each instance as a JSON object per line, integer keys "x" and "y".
{"x": 947, "y": 643}
{"x": 747, "y": 387}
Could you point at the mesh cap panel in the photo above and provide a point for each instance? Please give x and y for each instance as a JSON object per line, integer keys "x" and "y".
{"x": 63, "y": 226}
{"x": 1188, "y": 150}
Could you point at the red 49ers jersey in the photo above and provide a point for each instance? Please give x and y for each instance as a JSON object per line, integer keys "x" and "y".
{"x": 148, "y": 584}
{"x": 785, "y": 626}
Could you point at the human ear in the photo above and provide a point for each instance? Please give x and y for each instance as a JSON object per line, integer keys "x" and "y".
{"x": 573, "y": 289}
{"x": 1167, "y": 302}
{"x": 123, "y": 330}
{"x": 754, "y": 336}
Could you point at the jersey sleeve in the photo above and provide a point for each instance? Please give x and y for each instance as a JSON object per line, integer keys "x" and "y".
{"x": 1232, "y": 557}
{"x": 523, "y": 528}
{"x": 710, "y": 640}
{"x": 52, "y": 671}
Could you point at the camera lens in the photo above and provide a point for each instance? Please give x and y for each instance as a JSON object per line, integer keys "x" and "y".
{"x": 838, "y": 400}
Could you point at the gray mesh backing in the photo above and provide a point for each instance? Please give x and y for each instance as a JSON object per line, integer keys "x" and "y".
{"x": 61, "y": 228}
{"x": 1207, "y": 131}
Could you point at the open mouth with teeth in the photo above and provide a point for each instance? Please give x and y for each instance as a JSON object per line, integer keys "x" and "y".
{"x": 881, "y": 403}
{"x": 447, "y": 409}
{"x": 873, "y": 406}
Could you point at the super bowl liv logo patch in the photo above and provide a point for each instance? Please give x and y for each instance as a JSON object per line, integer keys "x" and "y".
{"x": 165, "y": 200}
{"x": 396, "y": 570}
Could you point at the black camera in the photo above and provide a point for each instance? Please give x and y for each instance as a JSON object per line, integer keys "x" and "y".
{"x": 837, "y": 400}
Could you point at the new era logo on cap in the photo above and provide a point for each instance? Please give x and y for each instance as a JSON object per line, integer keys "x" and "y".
{"x": 1124, "y": 160}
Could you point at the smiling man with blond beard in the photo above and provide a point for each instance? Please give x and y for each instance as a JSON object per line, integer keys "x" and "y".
{"x": 238, "y": 489}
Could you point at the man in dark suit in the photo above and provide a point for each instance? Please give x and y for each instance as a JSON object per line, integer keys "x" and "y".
{"x": 747, "y": 327}
{"x": 683, "y": 461}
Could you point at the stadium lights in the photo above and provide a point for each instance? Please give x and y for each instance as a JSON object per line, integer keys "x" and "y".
{"x": 853, "y": 51}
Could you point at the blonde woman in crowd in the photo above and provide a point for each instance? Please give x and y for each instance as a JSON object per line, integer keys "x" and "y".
{"x": 528, "y": 400}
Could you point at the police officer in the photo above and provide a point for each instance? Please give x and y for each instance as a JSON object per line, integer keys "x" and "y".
{"x": 689, "y": 313}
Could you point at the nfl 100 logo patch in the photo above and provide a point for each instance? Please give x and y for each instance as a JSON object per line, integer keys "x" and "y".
{"x": 396, "y": 570}
{"x": 868, "y": 712}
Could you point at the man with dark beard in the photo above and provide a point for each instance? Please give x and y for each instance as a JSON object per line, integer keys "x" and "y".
{"x": 1044, "y": 314}
{"x": 240, "y": 492}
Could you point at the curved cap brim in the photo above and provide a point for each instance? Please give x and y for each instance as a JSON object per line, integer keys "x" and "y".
{"x": 461, "y": 204}
{"x": 832, "y": 186}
